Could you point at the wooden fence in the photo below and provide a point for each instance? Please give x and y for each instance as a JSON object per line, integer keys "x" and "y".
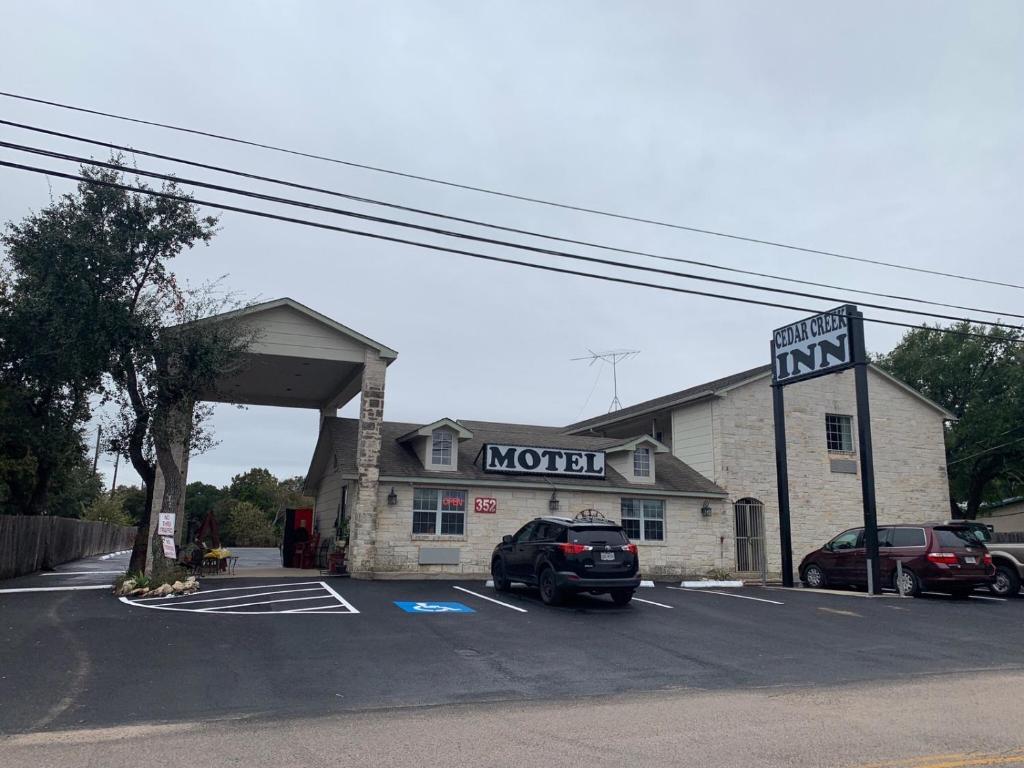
{"x": 29, "y": 544}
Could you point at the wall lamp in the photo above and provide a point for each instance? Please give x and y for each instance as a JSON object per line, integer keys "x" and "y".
{"x": 553, "y": 502}
{"x": 392, "y": 497}
{"x": 705, "y": 509}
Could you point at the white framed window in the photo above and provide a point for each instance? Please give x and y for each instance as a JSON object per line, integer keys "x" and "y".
{"x": 642, "y": 462}
{"x": 441, "y": 448}
{"x": 644, "y": 519}
{"x": 839, "y": 433}
{"x": 439, "y": 511}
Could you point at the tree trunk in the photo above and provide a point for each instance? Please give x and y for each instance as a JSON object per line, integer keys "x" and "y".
{"x": 38, "y": 501}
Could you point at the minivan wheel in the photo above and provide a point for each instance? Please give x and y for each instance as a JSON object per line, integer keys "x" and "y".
{"x": 622, "y": 596}
{"x": 1007, "y": 583}
{"x": 549, "y": 591}
{"x": 501, "y": 582}
{"x": 814, "y": 577}
{"x": 911, "y": 587}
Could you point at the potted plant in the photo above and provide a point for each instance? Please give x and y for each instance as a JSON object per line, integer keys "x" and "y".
{"x": 336, "y": 558}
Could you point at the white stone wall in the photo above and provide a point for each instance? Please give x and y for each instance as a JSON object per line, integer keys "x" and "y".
{"x": 910, "y": 459}
{"x": 693, "y": 544}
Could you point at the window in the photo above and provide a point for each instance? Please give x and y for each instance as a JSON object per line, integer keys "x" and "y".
{"x": 848, "y": 540}
{"x": 644, "y": 519}
{"x": 439, "y": 511}
{"x": 839, "y": 433}
{"x": 642, "y": 462}
{"x": 441, "y": 448}
{"x": 908, "y": 537}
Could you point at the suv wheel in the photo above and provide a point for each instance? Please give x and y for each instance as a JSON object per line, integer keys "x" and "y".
{"x": 1007, "y": 583}
{"x": 501, "y": 582}
{"x": 814, "y": 577}
{"x": 549, "y": 591}
{"x": 909, "y": 582}
{"x": 622, "y": 596}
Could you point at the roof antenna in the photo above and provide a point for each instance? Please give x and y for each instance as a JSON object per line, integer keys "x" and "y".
{"x": 613, "y": 357}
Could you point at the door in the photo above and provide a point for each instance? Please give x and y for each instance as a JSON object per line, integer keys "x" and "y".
{"x": 517, "y": 553}
{"x": 749, "y": 535}
{"x": 848, "y": 558}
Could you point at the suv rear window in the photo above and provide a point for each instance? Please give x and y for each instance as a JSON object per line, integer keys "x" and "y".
{"x": 955, "y": 537}
{"x": 612, "y": 536}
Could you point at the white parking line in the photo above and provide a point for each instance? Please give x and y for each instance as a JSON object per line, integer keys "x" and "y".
{"x": 651, "y": 602}
{"x": 490, "y": 599}
{"x": 259, "y": 602}
{"x": 726, "y": 594}
{"x": 994, "y": 599}
{"x": 54, "y": 589}
{"x": 179, "y": 602}
{"x": 231, "y": 589}
{"x": 339, "y": 598}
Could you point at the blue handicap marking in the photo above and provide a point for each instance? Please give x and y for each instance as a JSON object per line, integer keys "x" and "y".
{"x": 433, "y": 607}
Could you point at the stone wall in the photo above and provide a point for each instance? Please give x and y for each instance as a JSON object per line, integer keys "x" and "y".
{"x": 362, "y": 517}
{"x": 908, "y": 441}
{"x": 29, "y": 544}
{"x": 693, "y": 544}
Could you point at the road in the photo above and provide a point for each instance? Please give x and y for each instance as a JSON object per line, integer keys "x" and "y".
{"x": 373, "y": 673}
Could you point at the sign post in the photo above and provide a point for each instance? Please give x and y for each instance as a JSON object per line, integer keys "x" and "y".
{"x": 827, "y": 343}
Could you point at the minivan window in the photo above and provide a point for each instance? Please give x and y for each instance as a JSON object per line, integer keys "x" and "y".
{"x": 848, "y": 540}
{"x": 885, "y": 537}
{"x": 908, "y": 537}
{"x": 593, "y": 536}
{"x": 955, "y": 537}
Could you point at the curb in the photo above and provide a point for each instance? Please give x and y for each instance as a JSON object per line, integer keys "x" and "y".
{"x": 709, "y": 583}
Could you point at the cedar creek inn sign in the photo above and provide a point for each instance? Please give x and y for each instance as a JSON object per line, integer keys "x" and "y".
{"x": 519, "y": 459}
{"x": 811, "y": 347}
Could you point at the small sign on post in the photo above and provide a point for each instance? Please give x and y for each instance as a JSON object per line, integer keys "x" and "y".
{"x": 165, "y": 524}
{"x": 169, "y": 550}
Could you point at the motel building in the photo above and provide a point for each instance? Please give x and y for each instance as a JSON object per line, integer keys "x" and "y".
{"x": 690, "y": 475}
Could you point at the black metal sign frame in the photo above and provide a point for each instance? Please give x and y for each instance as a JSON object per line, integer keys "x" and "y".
{"x": 859, "y": 362}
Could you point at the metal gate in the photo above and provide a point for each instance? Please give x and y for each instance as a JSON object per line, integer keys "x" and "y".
{"x": 750, "y": 536}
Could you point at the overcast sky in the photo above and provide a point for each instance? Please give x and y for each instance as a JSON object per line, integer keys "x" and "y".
{"x": 883, "y": 130}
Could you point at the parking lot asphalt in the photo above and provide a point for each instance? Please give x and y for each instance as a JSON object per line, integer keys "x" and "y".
{"x": 300, "y": 647}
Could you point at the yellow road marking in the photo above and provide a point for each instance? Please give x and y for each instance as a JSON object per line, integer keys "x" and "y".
{"x": 960, "y": 760}
{"x": 839, "y": 612}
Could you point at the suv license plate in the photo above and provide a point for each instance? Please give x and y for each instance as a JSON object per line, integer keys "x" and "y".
{"x": 970, "y": 559}
{"x": 607, "y": 555}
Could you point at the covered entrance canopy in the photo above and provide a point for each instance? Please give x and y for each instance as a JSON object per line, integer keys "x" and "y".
{"x": 299, "y": 359}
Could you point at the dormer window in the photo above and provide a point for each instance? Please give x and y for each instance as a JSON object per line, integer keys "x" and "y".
{"x": 642, "y": 462}
{"x": 441, "y": 448}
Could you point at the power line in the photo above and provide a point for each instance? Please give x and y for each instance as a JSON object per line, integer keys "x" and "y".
{"x": 477, "y": 222}
{"x": 987, "y": 450}
{"x": 471, "y": 254}
{"x": 509, "y": 195}
{"x": 488, "y": 240}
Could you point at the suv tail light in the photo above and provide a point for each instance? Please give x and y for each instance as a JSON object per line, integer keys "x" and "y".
{"x": 942, "y": 558}
{"x": 574, "y": 549}
{"x": 631, "y": 548}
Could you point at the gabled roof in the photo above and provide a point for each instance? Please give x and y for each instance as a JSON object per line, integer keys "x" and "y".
{"x": 428, "y": 429}
{"x": 689, "y": 395}
{"x": 633, "y": 443}
{"x": 338, "y": 438}
{"x": 256, "y": 309}
{"x": 718, "y": 387}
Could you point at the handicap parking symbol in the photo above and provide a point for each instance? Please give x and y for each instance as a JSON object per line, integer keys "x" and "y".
{"x": 432, "y": 607}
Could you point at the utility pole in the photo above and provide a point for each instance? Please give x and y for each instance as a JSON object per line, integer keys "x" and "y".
{"x": 113, "y": 483}
{"x": 614, "y": 357}
{"x": 96, "y": 453}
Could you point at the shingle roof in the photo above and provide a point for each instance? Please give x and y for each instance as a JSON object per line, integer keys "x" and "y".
{"x": 666, "y": 401}
{"x": 400, "y": 460}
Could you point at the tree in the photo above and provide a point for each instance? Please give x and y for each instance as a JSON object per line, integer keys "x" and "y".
{"x": 259, "y": 487}
{"x": 53, "y": 353}
{"x": 248, "y": 525}
{"x": 200, "y": 499}
{"x": 981, "y": 381}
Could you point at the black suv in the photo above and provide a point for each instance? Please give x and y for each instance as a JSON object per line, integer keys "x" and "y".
{"x": 562, "y": 556}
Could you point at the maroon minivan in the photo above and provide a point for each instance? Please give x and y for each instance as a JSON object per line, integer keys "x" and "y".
{"x": 936, "y": 558}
